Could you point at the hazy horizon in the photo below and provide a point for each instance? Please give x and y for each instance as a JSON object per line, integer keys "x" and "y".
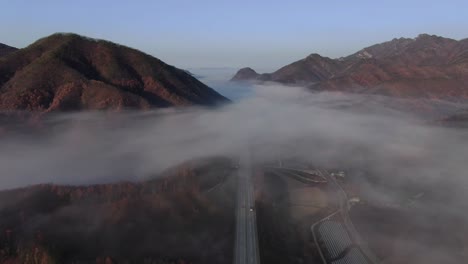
{"x": 258, "y": 34}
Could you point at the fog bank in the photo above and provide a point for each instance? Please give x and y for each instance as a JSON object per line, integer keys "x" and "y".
{"x": 327, "y": 128}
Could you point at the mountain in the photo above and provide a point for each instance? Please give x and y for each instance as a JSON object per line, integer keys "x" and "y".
{"x": 65, "y": 72}
{"x": 245, "y": 74}
{"x": 162, "y": 220}
{"x": 426, "y": 66}
{"x": 458, "y": 119}
{"x": 5, "y": 50}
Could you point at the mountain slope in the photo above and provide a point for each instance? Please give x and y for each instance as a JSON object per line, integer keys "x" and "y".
{"x": 245, "y": 74}
{"x": 313, "y": 68}
{"x": 426, "y": 66}
{"x": 160, "y": 220}
{"x": 5, "y": 50}
{"x": 71, "y": 72}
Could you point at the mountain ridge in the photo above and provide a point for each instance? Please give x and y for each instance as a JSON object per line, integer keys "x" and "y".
{"x": 69, "y": 72}
{"x": 427, "y": 66}
{"x": 5, "y": 50}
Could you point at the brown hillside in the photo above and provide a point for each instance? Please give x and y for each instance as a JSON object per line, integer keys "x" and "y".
{"x": 5, "y": 50}
{"x": 427, "y": 66}
{"x": 184, "y": 216}
{"x": 71, "y": 72}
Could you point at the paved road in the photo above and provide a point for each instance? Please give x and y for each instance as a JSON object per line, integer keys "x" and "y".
{"x": 246, "y": 245}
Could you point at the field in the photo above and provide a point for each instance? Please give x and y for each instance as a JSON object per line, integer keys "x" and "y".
{"x": 286, "y": 209}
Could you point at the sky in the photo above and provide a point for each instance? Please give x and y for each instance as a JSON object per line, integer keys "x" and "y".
{"x": 225, "y": 33}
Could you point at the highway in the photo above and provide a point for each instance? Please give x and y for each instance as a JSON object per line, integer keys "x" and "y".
{"x": 246, "y": 245}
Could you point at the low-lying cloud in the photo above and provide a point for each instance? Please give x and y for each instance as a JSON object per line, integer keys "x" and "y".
{"x": 329, "y": 129}
{"x": 333, "y": 130}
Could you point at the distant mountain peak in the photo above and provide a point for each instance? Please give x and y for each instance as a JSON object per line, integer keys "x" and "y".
{"x": 385, "y": 49}
{"x": 246, "y": 73}
{"x": 427, "y": 36}
{"x": 425, "y": 66}
{"x": 314, "y": 56}
{"x": 248, "y": 69}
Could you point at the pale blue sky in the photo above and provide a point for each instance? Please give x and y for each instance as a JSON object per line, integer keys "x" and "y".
{"x": 235, "y": 33}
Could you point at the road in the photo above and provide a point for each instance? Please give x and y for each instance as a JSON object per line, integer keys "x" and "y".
{"x": 246, "y": 245}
